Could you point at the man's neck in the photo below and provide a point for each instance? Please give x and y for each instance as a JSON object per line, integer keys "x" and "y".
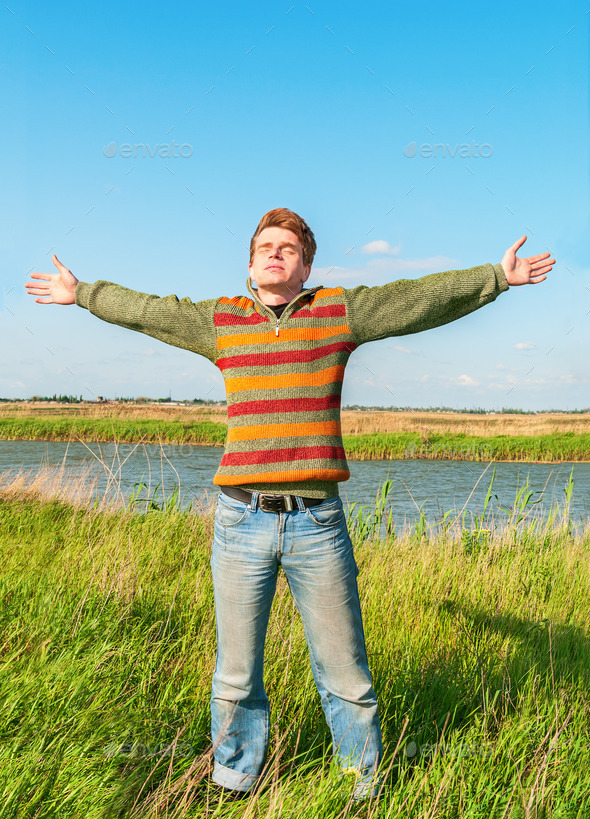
{"x": 273, "y": 298}
{"x": 276, "y": 303}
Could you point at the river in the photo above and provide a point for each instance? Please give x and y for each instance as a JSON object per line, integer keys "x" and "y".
{"x": 428, "y": 486}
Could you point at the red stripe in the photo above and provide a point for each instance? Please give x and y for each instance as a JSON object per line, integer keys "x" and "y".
{"x": 285, "y": 357}
{"x": 273, "y": 456}
{"x": 320, "y": 312}
{"x": 223, "y": 319}
{"x": 229, "y": 319}
{"x": 283, "y": 405}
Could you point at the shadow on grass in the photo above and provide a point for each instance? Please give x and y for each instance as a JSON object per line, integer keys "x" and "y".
{"x": 497, "y": 660}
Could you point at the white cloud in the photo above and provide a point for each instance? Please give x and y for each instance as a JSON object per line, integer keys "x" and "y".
{"x": 402, "y": 349}
{"x": 381, "y": 248}
{"x": 525, "y": 345}
{"x": 465, "y": 381}
{"x": 570, "y": 378}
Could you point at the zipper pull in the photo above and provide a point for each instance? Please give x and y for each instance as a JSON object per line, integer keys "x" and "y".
{"x": 277, "y": 327}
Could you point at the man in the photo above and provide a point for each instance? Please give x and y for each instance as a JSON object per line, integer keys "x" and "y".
{"x": 282, "y": 352}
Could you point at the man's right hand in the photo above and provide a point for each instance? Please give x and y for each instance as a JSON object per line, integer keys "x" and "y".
{"x": 60, "y": 287}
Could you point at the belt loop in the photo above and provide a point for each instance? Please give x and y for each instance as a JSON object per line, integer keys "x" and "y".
{"x": 254, "y": 502}
{"x": 300, "y": 503}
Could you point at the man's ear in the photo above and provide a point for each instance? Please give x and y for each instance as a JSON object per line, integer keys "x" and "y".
{"x": 251, "y": 273}
{"x": 306, "y": 272}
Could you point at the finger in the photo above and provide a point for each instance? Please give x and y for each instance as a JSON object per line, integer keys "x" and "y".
{"x": 46, "y": 276}
{"x": 544, "y": 263}
{"x": 540, "y": 272}
{"x": 44, "y": 301}
{"x": 536, "y": 281}
{"x": 38, "y": 291}
{"x": 538, "y": 258}
{"x": 58, "y": 264}
{"x": 38, "y": 284}
{"x": 519, "y": 243}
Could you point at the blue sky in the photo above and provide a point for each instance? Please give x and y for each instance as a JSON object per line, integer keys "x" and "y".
{"x": 333, "y": 110}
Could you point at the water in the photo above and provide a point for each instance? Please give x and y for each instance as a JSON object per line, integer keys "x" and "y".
{"x": 432, "y": 487}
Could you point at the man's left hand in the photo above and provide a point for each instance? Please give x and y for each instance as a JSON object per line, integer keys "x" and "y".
{"x": 525, "y": 271}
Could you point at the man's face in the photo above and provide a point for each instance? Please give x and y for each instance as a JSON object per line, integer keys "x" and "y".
{"x": 278, "y": 262}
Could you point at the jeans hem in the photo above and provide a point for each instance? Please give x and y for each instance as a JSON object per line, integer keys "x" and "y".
{"x": 366, "y": 790}
{"x": 234, "y": 780}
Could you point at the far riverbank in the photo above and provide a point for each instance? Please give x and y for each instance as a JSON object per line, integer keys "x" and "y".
{"x": 541, "y": 438}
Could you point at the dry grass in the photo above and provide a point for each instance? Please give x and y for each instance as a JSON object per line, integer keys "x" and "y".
{"x": 163, "y": 412}
{"x": 354, "y": 422}
{"x": 49, "y": 483}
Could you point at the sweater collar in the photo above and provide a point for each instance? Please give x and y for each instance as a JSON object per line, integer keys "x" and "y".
{"x": 290, "y": 306}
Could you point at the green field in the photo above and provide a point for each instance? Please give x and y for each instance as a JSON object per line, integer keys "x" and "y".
{"x": 562, "y": 446}
{"x": 477, "y": 636}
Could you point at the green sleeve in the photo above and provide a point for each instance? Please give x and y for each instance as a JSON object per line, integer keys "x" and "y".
{"x": 411, "y": 305}
{"x": 182, "y": 323}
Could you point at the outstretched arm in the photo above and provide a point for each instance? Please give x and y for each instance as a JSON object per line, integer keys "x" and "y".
{"x": 525, "y": 271}
{"x": 60, "y": 288}
{"x": 412, "y": 305}
{"x": 182, "y": 323}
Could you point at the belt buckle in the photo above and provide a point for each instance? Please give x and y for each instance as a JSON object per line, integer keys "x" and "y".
{"x": 275, "y": 503}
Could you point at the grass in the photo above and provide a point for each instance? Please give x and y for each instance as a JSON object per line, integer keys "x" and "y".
{"x": 566, "y": 446}
{"x": 147, "y": 431}
{"x": 477, "y": 640}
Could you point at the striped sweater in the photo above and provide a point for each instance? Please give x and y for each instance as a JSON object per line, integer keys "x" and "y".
{"x": 283, "y": 376}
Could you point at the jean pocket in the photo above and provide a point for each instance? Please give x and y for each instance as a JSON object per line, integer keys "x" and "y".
{"x": 228, "y": 515}
{"x": 328, "y": 513}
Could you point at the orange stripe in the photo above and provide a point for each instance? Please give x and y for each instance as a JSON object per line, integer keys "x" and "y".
{"x": 296, "y": 334}
{"x": 263, "y": 382}
{"x": 283, "y": 477}
{"x": 283, "y": 430}
{"x": 239, "y": 301}
{"x": 327, "y": 292}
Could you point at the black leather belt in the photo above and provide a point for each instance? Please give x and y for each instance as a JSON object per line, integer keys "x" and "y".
{"x": 269, "y": 503}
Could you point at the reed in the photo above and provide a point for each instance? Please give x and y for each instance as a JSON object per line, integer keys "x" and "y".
{"x": 67, "y": 428}
{"x": 542, "y": 448}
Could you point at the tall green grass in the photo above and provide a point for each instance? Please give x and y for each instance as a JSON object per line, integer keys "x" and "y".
{"x": 567, "y": 446}
{"x": 112, "y": 429}
{"x": 477, "y": 638}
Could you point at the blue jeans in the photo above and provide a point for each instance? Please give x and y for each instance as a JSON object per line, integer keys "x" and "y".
{"x": 314, "y": 548}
